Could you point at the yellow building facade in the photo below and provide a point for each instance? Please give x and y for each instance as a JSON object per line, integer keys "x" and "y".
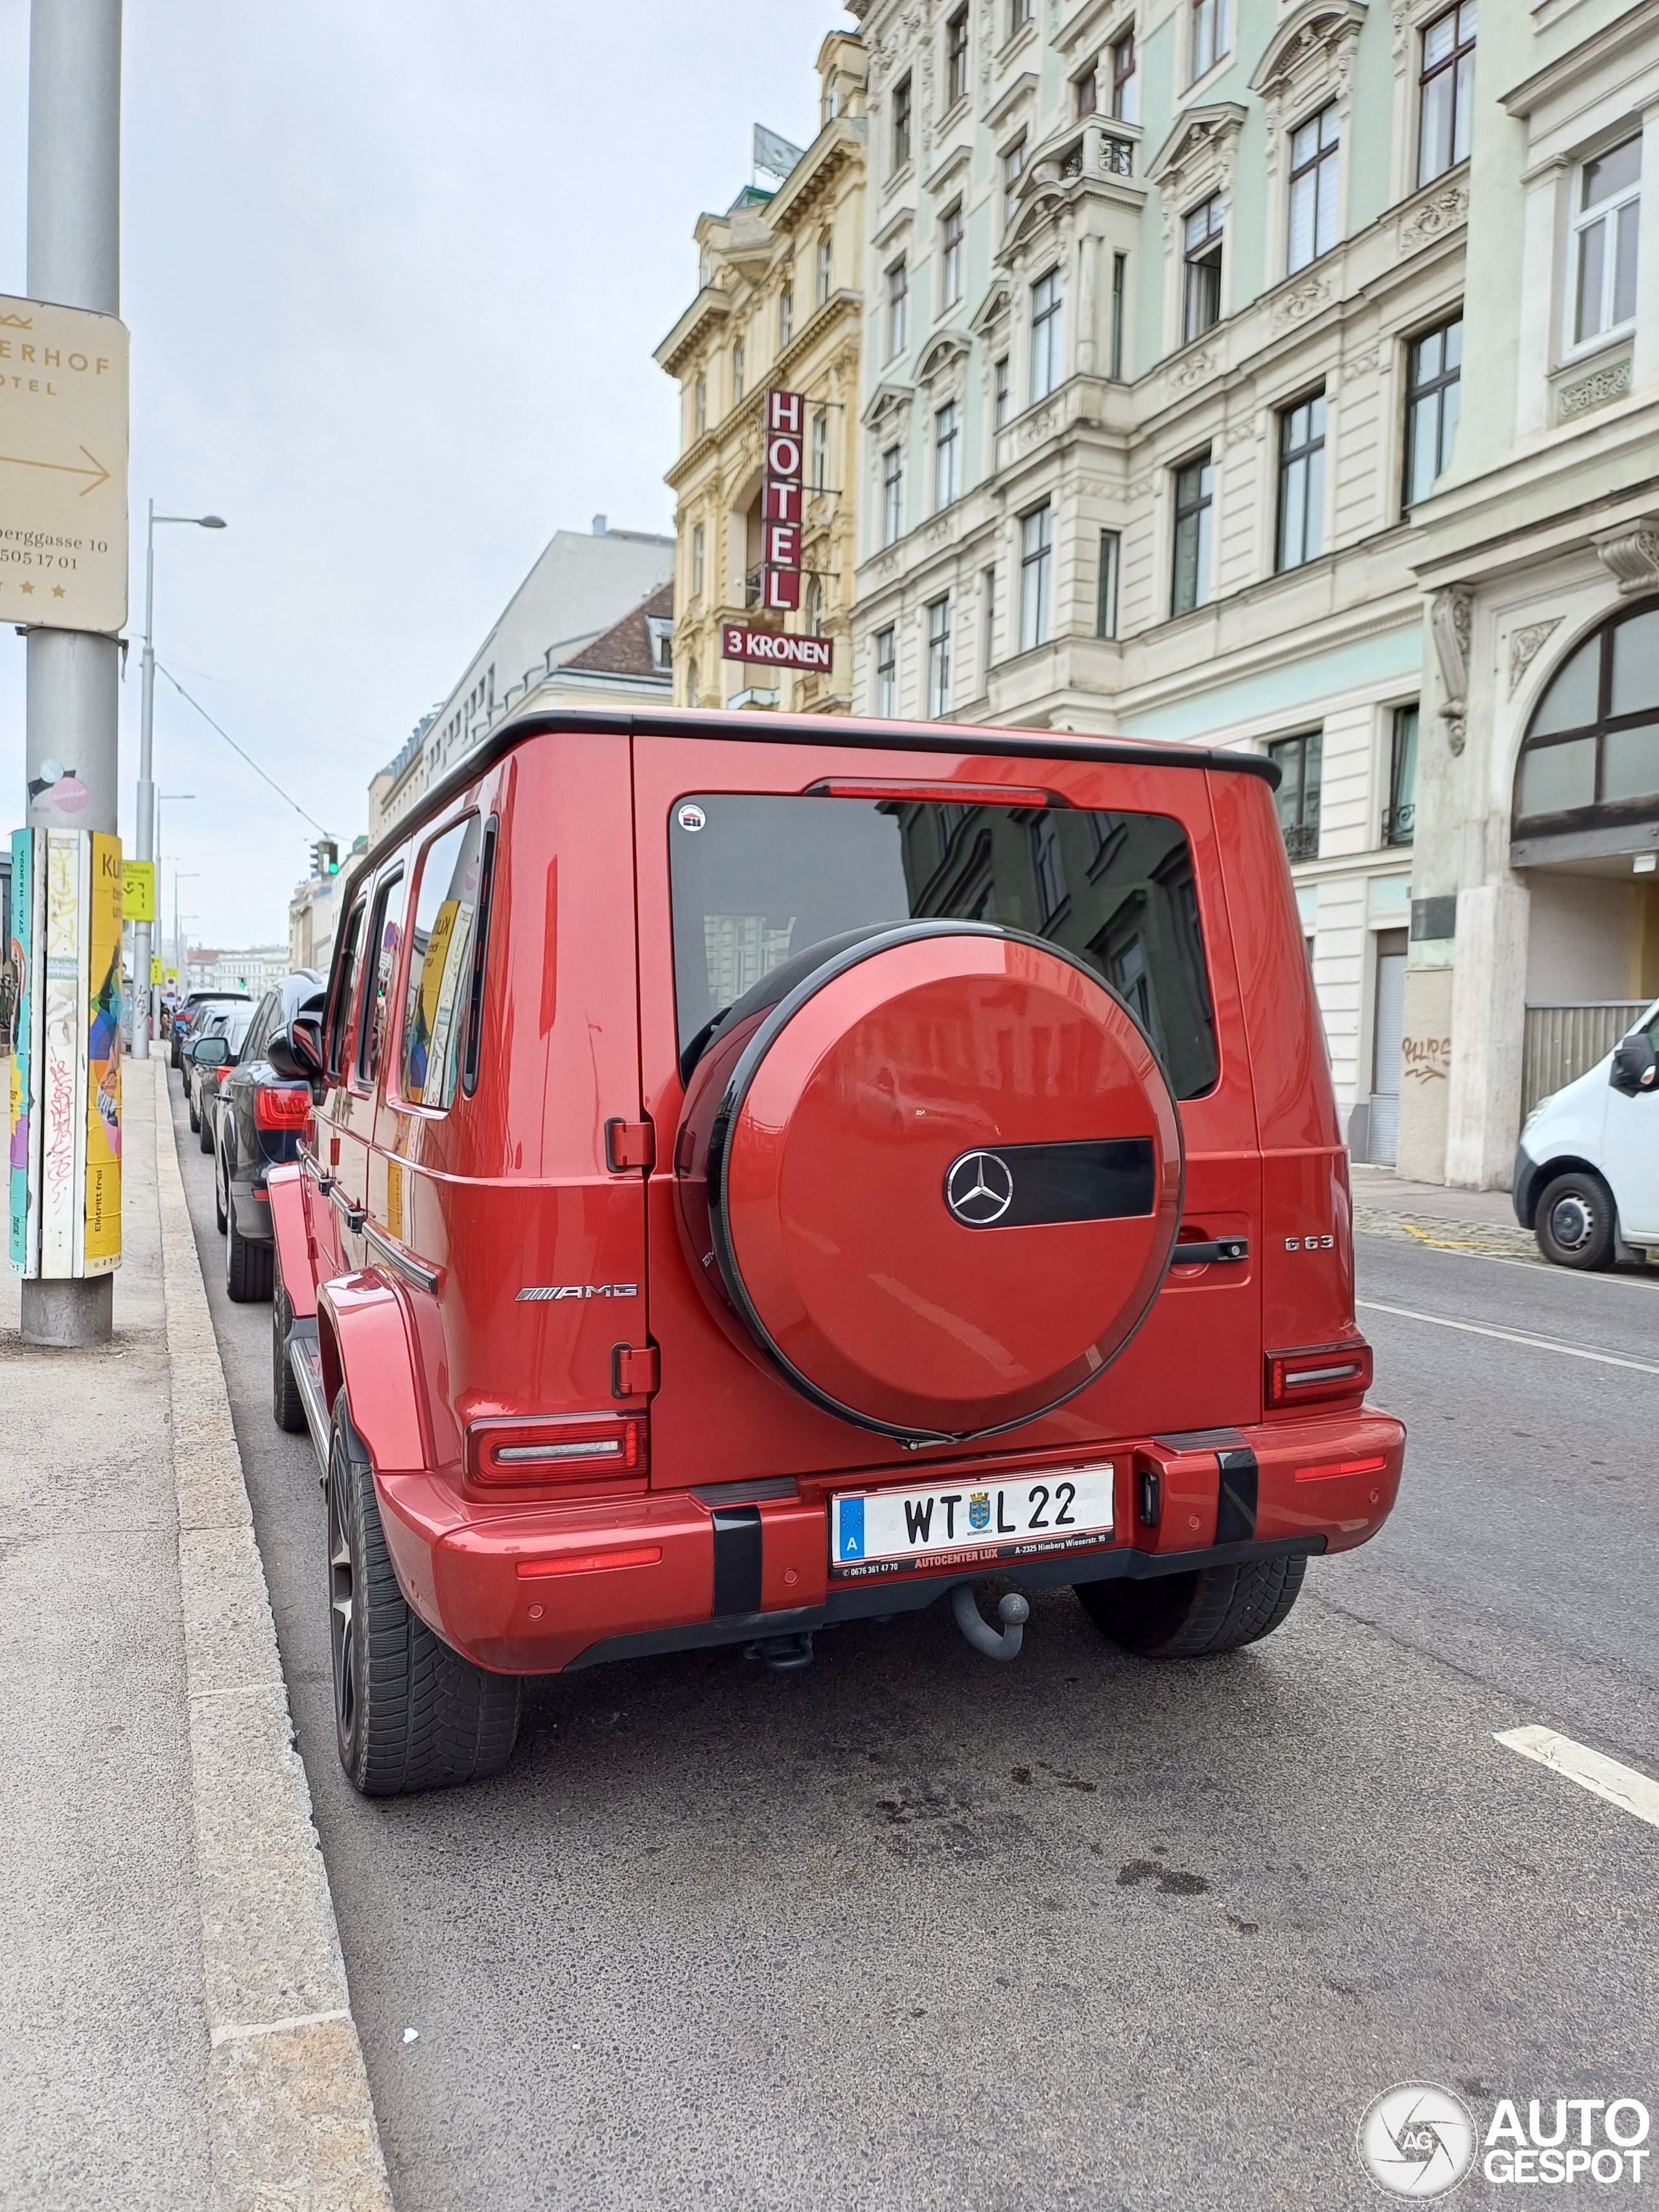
{"x": 779, "y": 304}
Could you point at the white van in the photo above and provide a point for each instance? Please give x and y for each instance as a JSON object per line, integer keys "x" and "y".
{"x": 1587, "y": 1169}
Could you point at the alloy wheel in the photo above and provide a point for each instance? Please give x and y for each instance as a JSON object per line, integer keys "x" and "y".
{"x": 342, "y": 1629}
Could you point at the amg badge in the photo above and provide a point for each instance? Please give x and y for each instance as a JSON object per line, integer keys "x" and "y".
{"x": 551, "y": 1290}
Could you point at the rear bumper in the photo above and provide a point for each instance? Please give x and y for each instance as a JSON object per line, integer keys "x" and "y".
{"x": 537, "y": 1589}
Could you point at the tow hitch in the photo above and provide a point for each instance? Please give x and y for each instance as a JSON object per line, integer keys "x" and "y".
{"x": 1013, "y": 1612}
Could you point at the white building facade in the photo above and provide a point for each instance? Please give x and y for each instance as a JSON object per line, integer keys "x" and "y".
{"x": 1157, "y": 294}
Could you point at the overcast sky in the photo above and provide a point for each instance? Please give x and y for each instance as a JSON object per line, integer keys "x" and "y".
{"x": 394, "y": 274}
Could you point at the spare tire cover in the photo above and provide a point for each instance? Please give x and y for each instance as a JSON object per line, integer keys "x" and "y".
{"x": 936, "y": 1184}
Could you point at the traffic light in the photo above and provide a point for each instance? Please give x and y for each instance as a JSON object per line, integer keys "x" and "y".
{"x": 325, "y": 857}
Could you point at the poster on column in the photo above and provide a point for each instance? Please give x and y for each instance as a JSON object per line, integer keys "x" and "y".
{"x": 60, "y": 1091}
{"x": 100, "y": 1247}
{"x": 18, "y": 1003}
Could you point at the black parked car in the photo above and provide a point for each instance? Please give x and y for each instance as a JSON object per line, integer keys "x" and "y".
{"x": 192, "y": 1012}
{"x": 264, "y": 1103}
{"x": 209, "y": 1053}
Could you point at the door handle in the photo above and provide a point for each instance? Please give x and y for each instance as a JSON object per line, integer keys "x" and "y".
{"x": 1227, "y": 1249}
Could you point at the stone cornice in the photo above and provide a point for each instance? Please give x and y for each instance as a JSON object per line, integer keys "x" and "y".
{"x": 709, "y": 306}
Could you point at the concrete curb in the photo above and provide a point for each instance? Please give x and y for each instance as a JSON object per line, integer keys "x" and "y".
{"x": 292, "y": 2125}
{"x": 1506, "y": 1239}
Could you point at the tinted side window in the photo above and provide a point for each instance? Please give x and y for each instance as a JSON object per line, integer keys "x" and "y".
{"x": 260, "y": 1028}
{"x": 379, "y": 967}
{"x": 757, "y": 880}
{"x": 340, "y": 1020}
{"x": 441, "y": 965}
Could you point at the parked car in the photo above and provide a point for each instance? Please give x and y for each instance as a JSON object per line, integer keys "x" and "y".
{"x": 1587, "y": 1168}
{"x": 773, "y": 1171}
{"x": 207, "y": 1060}
{"x": 260, "y": 1116}
{"x": 191, "y": 1011}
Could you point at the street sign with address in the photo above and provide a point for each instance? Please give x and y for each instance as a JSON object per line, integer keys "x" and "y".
{"x": 62, "y": 467}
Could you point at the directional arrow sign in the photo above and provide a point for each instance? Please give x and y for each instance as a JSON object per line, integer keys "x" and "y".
{"x": 62, "y": 467}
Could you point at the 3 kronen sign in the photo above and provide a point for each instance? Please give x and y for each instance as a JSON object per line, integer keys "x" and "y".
{"x": 781, "y": 547}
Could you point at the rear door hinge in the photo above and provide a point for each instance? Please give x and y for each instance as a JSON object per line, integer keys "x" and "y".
{"x": 635, "y": 1370}
{"x": 628, "y": 1145}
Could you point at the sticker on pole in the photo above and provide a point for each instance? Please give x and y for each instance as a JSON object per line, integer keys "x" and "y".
{"x": 62, "y": 467}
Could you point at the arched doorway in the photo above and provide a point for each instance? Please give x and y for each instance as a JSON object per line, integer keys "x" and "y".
{"x": 1585, "y": 834}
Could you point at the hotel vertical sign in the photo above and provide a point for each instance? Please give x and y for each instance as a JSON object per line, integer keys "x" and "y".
{"x": 781, "y": 508}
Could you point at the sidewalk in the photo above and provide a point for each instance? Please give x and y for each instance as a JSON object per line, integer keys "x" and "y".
{"x": 1385, "y": 1204}
{"x": 175, "y": 2028}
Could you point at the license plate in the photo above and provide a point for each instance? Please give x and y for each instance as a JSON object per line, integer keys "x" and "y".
{"x": 894, "y": 1532}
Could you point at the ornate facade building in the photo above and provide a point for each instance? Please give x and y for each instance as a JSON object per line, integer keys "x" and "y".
{"x": 1161, "y": 404}
{"x": 778, "y": 303}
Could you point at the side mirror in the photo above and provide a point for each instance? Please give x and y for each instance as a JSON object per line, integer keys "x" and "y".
{"x": 296, "y": 1053}
{"x": 1634, "y": 1066}
{"x": 210, "y": 1052}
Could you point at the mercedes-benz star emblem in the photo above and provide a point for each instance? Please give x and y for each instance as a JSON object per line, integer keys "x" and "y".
{"x": 979, "y": 1188}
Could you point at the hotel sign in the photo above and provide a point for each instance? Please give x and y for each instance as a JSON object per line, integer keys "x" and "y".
{"x": 63, "y": 468}
{"x": 815, "y": 655}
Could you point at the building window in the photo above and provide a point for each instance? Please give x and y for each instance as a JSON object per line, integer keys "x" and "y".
{"x": 786, "y": 316}
{"x": 886, "y": 672}
{"x": 1433, "y": 365}
{"x": 1313, "y": 187}
{"x": 902, "y": 123}
{"x": 737, "y": 372}
{"x": 892, "y": 494}
{"x": 1087, "y": 89}
{"x": 947, "y": 454}
{"x": 1002, "y": 390}
{"x": 696, "y": 560}
{"x": 1125, "y": 82}
{"x": 691, "y": 684}
{"x": 1446, "y": 94}
{"x": 826, "y": 265}
{"x": 1106, "y": 588}
{"x": 1045, "y": 335}
{"x": 1114, "y": 343}
{"x": 1013, "y": 168}
{"x": 956, "y": 58}
{"x": 938, "y": 658}
{"x": 1592, "y": 746}
{"x": 898, "y": 309}
{"x": 1019, "y": 14}
{"x": 1301, "y": 482}
{"x": 699, "y": 405}
{"x": 1400, "y": 816}
{"x": 1047, "y": 866}
{"x": 1604, "y": 242}
{"x": 1298, "y": 796}
{"x": 1209, "y": 35}
{"x": 1035, "y": 551}
{"x": 1195, "y": 492}
{"x": 821, "y": 450}
{"x": 952, "y": 258}
{"x": 814, "y": 608}
{"x": 1202, "y": 302}
{"x": 987, "y": 601}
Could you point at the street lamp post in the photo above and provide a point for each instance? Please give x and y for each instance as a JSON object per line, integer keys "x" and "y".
{"x": 162, "y": 799}
{"x": 142, "y": 931}
{"x": 189, "y": 875}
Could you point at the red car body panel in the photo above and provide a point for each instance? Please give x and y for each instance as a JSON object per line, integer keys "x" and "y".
{"x": 415, "y": 1260}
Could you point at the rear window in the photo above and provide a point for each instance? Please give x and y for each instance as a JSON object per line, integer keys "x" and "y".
{"x": 756, "y": 879}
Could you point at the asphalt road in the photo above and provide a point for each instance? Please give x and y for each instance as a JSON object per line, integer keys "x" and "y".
{"x": 912, "y": 1927}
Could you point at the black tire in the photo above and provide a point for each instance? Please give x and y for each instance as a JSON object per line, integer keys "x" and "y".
{"x": 1575, "y": 1221}
{"x": 172, "y": 1050}
{"x": 1194, "y": 1616}
{"x": 287, "y": 1407}
{"x": 221, "y": 1218}
{"x": 190, "y": 1106}
{"x": 248, "y": 1266}
{"x": 409, "y": 1713}
{"x": 204, "y": 1123}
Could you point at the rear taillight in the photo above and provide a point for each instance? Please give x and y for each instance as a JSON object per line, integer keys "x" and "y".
{"x": 563, "y": 1448}
{"x": 287, "y": 1106}
{"x": 1374, "y": 1466}
{"x": 587, "y": 1563}
{"x": 1319, "y": 1372}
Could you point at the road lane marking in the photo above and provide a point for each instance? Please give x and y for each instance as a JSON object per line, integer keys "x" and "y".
{"x": 228, "y": 2031}
{"x": 1590, "y": 1770}
{"x": 1512, "y": 1336}
{"x": 1647, "y": 1282}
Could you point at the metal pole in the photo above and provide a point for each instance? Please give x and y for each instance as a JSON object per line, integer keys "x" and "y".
{"x": 73, "y": 679}
{"x": 147, "y": 802}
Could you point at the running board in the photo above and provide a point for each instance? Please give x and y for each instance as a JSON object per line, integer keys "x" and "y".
{"x": 306, "y": 1360}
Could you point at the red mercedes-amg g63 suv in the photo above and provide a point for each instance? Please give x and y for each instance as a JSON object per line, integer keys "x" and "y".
{"x": 767, "y": 1172}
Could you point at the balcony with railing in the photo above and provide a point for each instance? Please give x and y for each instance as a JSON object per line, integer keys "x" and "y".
{"x": 1302, "y": 840}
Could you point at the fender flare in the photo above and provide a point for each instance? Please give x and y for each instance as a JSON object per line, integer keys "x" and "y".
{"x": 286, "y": 1187}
